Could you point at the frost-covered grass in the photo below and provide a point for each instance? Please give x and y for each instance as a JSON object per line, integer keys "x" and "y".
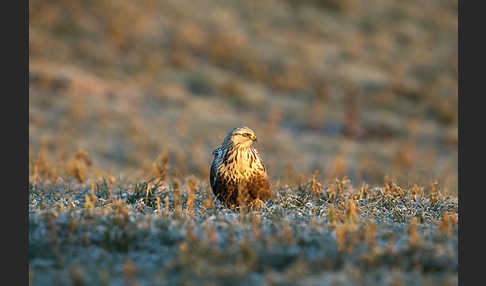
{"x": 171, "y": 231}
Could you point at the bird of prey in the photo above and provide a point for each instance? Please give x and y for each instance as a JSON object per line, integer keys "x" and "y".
{"x": 238, "y": 175}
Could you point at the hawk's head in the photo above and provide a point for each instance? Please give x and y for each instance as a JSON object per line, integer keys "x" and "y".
{"x": 240, "y": 137}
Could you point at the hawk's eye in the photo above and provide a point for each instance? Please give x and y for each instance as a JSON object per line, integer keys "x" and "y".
{"x": 247, "y": 135}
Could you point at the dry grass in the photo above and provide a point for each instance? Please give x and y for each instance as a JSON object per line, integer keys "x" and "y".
{"x": 77, "y": 230}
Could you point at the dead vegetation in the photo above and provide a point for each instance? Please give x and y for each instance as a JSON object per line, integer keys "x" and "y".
{"x": 168, "y": 233}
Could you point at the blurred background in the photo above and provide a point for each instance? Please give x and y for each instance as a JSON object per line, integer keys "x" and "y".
{"x": 363, "y": 89}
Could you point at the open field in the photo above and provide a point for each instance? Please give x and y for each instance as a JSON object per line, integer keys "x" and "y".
{"x": 354, "y": 104}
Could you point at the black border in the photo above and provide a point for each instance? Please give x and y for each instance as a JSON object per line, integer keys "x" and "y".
{"x": 471, "y": 127}
{"x": 14, "y": 25}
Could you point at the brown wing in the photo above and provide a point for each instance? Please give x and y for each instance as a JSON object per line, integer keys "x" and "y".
{"x": 226, "y": 191}
{"x": 213, "y": 172}
{"x": 222, "y": 189}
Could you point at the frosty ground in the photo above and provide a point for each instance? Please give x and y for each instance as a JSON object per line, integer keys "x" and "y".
{"x": 154, "y": 232}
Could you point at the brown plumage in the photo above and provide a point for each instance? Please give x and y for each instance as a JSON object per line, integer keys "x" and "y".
{"x": 238, "y": 175}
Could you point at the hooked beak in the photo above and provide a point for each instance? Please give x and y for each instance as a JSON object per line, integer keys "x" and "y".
{"x": 253, "y": 138}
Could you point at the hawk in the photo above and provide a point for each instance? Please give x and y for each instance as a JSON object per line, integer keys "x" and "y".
{"x": 238, "y": 175}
